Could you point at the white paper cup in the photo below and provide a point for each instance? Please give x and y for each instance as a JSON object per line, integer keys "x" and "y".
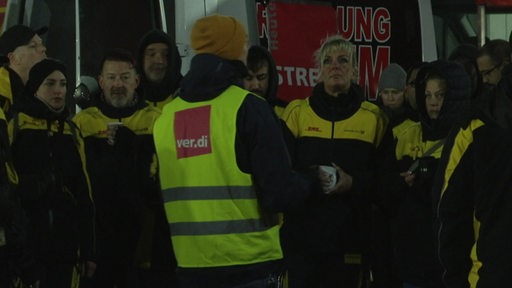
{"x": 113, "y": 125}
{"x": 331, "y": 172}
{"x": 111, "y": 131}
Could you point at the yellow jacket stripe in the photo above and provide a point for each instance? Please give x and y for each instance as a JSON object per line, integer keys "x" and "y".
{"x": 211, "y": 205}
{"x": 26, "y": 122}
{"x": 463, "y": 140}
{"x": 402, "y": 127}
{"x": 410, "y": 143}
{"x": 304, "y": 122}
{"x": 92, "y": 122}
{"x": 5, "y": 88}
{"x": 9, "y": 168}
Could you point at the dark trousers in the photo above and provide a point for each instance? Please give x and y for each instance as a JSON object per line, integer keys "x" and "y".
{"x": 56, "y": 275}
{"x": 321, "y": 271}
{"x": 5, "y": 277}
{"x": 229, "y": 279}
{"x": 158, "y": 277}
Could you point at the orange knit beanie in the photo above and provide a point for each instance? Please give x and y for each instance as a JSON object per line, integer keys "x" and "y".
{"x": 223, "y": 36}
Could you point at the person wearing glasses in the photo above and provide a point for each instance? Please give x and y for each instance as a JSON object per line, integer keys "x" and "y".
{"x": 474, "y": 190}
{"x": 491, "y": 59}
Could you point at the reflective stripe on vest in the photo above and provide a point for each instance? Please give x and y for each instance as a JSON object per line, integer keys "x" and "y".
{"x": 213, "y": 227}
{"x": 211, "y": 205}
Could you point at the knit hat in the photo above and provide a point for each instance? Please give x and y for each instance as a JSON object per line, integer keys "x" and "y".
{"x": 40, "y": 71}
{"x": 16, "y": 36}
{"x": 393, "y": 76}
{"x": 223, "y": 36}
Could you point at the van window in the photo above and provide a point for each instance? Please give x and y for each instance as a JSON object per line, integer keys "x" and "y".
{"x": 111, "y": 24}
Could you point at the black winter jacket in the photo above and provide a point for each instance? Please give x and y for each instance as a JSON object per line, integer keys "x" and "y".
{"x": 474, "y": 187}
{"x": 413, "y": 234}
{"x": 53, "y": 184}
{"x": 347, "y": 131}
{"x": 125, "y": 186}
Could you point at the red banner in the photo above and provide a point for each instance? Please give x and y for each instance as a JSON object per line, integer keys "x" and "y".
{"x": 495, "y": 3}
{"x": 3, "y": 7}
{"x": 293, "y": 45}
{"x": 294, "y": 31}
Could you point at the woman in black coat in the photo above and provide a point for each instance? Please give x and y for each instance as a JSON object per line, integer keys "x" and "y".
{"x": 48, "y": 156}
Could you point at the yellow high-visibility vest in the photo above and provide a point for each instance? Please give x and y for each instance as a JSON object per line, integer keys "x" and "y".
{"x": 211, "y": 205}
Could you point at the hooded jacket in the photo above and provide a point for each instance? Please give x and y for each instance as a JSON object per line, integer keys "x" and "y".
{"x": 412, "y": 225}
{"x": 159, "y": 94}
{"x": 474, "y": 210}
{"x": 273, "y": 79}
{"x": 455, "y": 107}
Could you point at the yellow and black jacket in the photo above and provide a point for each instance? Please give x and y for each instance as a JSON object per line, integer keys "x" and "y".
{"x": 321, "y": 130}
{"x": 48, "y": 155}
{"x": 11, "y": 88}
{"x": 413, "y": 236}
{"x": 130, "y": 216}
{"x": 15, "y": 258}
{"x": 474, "y": 211}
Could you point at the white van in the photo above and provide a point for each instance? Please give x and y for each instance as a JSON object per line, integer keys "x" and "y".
{"x": 402, "y": 31}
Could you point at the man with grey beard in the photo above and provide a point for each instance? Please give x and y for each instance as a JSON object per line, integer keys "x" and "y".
{"x": 119, "y": 150}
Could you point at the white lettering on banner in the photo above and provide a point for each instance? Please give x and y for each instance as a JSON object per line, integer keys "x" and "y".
{"x": 370, "y": 68}
{"x": 193, "y": 143}
{"x": 297, "y": 76}
{"x": 273, "y": 35}
{"x": 365, "y": 25}
{"x": 368, "y": 27}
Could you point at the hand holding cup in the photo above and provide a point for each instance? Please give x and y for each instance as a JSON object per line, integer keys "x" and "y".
{"x": 111, "y": 131}
{"x": 327, "y": 176}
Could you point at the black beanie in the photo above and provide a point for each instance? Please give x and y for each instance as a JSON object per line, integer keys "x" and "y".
{"x": 40, "y": 71}
{"x": 16, "y": 36}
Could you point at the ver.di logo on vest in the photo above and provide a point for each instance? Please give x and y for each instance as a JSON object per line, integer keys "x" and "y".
{"x": 193, "y": 143}
{"x": 192, "y": 132}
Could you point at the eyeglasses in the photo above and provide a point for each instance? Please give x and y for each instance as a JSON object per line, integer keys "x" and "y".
{"x": 489, "y": 71}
